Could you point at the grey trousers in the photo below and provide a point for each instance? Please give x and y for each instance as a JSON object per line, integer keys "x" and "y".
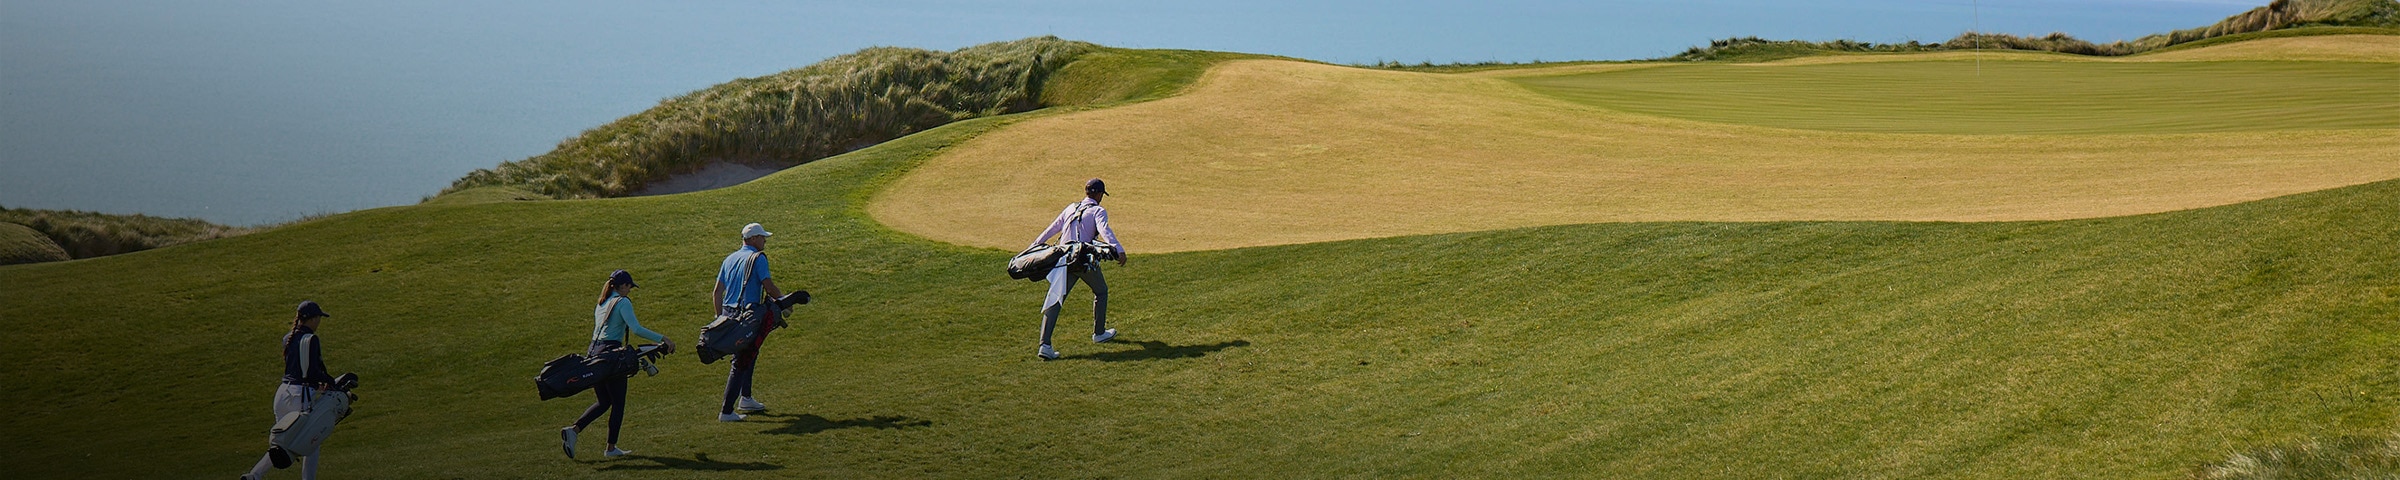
{"x": 1062, "y": 279}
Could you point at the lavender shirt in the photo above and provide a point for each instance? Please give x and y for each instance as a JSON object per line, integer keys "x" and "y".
{"x": 1094, "y": 223}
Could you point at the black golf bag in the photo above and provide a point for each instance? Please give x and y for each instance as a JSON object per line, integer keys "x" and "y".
{"x": 738, "y": 327}
{"x": 1034, "y": 263}
{"x": 571, "y": 374}
{"x": 298, "y": 434}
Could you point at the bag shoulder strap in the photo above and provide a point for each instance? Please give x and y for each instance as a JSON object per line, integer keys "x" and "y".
{"x": 742, "y": 286}
{"x": 1080, "y": 209}
{"x": 605, "y": 316}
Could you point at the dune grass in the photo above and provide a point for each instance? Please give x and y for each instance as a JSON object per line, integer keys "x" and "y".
{"x": 803, "y": 114}
{"x": 1267, "y": 152}
{"x": 2111, "y": 348}
{"x": 22, "y": 244}
{"x": 2005, "y": 97}
{"x": 83, "y": 234}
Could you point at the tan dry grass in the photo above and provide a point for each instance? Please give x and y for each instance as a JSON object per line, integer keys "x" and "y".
{"x": 2326, "y": 48}
{"x": 1269, "y": 152}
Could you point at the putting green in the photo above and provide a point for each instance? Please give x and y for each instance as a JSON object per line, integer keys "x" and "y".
{"x": 1268, "y": 152}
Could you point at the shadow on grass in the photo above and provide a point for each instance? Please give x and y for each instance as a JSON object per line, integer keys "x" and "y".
{"x": 699, "y": 462}
{"x": 809, "y": 423}
{"x": 1154, "y": 350}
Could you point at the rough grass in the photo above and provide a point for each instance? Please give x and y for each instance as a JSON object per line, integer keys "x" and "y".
{"x": 22, "y": 244}
{"x": 1271, "y": 152}
{"x": 91, "y": 234}
{"x": 799, "y": 115}
{"x": 2112, "y": 348}
{"x": 2358, "y": 457}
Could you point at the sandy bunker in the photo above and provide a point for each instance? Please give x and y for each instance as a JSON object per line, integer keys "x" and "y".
{"x": 1266, "y": 152}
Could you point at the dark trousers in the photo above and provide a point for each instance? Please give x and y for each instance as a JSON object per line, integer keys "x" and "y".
{"x": 737, "y": 384}
{"x": 611, "y": 397}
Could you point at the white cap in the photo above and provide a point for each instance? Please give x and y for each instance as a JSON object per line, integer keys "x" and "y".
{"x": 754, "y": 230}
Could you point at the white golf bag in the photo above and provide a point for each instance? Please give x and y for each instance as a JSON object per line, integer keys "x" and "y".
{"x": 298, "y": 434}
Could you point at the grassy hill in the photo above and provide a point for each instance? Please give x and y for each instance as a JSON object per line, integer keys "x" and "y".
{"x": 22, "y": 244}
{"x": 2141, "y": 346}
{"x": 1264, "y": 152}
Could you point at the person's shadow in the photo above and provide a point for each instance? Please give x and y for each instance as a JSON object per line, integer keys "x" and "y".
{"x": 806, "y": 424}
{"x": 698, "y": 462}
{"x": 1156, "y": 350}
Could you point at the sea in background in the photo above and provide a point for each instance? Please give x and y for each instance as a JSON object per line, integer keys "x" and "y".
{"x": 250, "y": 112}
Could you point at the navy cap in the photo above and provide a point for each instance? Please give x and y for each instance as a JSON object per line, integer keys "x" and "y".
{"x": 1095, "y": 187}
{"x": 310, "y": 309}
{"x": 621, "y": 278}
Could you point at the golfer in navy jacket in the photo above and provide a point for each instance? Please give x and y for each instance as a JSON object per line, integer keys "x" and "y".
{"x": 304, "y": 378}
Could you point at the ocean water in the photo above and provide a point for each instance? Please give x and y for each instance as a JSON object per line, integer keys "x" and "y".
{"x": 250, "y": 111}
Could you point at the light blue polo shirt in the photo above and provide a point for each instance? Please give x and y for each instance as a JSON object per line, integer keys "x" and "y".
{"x": 740, "y": 290}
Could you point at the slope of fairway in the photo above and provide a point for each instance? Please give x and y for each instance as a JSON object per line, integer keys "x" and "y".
{"x": 1277, "y": 152}
{"x": 2111, "y": 348}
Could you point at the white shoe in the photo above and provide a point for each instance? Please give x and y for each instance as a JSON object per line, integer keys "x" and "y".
{"x": 613, "y": 452}
{"x": 731, "y": 417}
{"x": 748, "y": 404}
{"x": 1046, "y": 353}
{"x": 1104, "y": 337}
{"x": 566, "y": 438}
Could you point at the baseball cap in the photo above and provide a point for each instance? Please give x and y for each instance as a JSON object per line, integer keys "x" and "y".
{"x": 755, "y": 230}
{"x": 622, "y": 278}
{"x": 1095, "y": 186}
{"x": 310, "y": 309}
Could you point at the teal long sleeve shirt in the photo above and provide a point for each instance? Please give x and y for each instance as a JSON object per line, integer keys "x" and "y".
{"x": 614, "y": 318}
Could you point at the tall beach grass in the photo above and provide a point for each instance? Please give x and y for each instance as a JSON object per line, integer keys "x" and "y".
{"x": 835, "y": 106}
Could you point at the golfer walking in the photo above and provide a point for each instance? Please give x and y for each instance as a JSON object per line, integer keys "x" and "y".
{"x": 742, "y": 281}
{"x": 304, "y": 378}
{"x": 612, "y": 320}
{"x": 1081, "y": 222}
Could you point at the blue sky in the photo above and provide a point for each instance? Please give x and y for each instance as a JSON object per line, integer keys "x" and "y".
{"x": 251, "y": 111}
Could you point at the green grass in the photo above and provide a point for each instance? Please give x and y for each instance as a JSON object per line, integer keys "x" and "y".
{"x": 2004, "y": 97}
{"x": 1117, "y": 76}
{"x": 2126, "y": 347}
{"x": 2359, "y": 16}
{"x": 22, "y": 244}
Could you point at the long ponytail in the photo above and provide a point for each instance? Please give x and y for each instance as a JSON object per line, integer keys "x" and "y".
{"x": 606, "y": 288}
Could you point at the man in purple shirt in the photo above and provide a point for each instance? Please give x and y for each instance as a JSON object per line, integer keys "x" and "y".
{"x": 1081, "y": 222}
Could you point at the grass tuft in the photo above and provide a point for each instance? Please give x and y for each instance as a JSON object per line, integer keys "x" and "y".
{"x": 2349, "y": 457}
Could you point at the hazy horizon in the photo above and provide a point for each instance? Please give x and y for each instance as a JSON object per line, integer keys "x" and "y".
{"x": 249, "y": 112}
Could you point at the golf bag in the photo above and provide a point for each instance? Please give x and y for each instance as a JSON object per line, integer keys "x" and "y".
{"x": 730, "y": 333}
{"x": 1034, "y": 263}
{"x": 298, "y": 434}
{"x": 571, "y": 374}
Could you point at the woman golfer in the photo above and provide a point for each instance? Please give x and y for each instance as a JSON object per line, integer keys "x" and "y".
{"x": 611, "y": 321}
{"x": 304, "y": 378}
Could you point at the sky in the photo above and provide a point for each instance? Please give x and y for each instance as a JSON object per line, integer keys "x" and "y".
{"x": 257, "y": 111}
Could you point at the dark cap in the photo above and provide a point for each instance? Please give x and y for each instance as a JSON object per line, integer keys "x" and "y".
{"x": 621, "y": 278}
{"x": 309, "y": 309}
{"x": 1095, "y": 187}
